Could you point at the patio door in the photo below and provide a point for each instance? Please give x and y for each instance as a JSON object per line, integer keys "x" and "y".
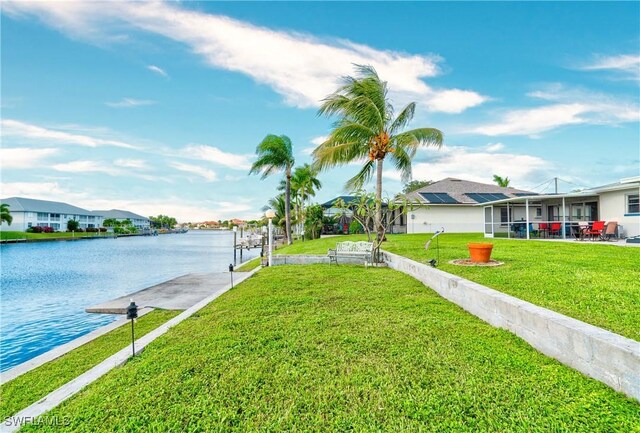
{"x": 488, "y": 221}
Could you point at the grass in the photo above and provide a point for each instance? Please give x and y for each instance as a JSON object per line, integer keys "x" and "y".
{"x": 250, "y": 265}
{"x": 322, "y": 348}
{"x": 597, "y": 284}
{"x": 37, "y": 383}
{"x": 7, "y": 235}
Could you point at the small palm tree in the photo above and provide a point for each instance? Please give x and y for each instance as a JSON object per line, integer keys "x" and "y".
{"x": 368, "y": 131}
{"x": 5, "y": 214}
{"x": 275, "y": 153}
{"x": 304, "y": 183}
{"x": 501, "y": 181}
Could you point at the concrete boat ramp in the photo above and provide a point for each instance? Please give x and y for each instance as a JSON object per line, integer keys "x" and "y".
{"x": 177, "y": 294}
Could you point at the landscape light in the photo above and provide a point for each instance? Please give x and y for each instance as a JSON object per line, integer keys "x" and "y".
{"x": 132, "y": 313}
{"x": 231, "y": 271}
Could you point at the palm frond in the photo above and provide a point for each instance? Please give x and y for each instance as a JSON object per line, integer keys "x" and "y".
{"x": 364, "y": 175}
{"x": 403, "y": 119}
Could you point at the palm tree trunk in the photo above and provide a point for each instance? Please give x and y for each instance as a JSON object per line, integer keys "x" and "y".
{"x": 287, "y": 205}
{"x": 378, "y": 219}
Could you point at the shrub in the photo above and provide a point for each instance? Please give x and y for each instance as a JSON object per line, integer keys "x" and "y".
{"x": 91, "y": 230}
{"x": 355, "y": 227}
{"x": 103, "y": 229}
{"x": 47, "y": 229}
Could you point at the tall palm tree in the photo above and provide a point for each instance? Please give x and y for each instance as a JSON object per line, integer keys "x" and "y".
{"x": 501, "y": 181}
{"x": 5, "y": 214}
{"x": 367, "y": 130}
{"x": 275, "y": 153}
{"x": 304, "y": 182}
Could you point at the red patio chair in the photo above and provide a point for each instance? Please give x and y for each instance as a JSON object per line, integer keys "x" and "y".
{"x": 544, "y": 229}
{"x": 555, "y": 229}
{"x": 595, "y": 230}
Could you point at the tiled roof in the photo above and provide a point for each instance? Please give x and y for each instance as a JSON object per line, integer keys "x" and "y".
{"x": 119, "y": 214}
{"x": 463, "y": 191}
{"x": 45, "y": 206}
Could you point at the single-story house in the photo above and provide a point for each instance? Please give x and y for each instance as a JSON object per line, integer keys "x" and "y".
{"x": 28, "y": 212}
{"x": 452, "y": 204}
{"x": 617, "y": 202}
{"x": 140, "y": 222}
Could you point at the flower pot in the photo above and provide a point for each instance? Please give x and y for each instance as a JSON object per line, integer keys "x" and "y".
{"x": 480, "y": 253}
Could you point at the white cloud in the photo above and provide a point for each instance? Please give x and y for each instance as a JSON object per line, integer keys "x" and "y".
{"x": 157, "y": 70}
{"x": 129, "y": 103}
{"x": 24, "y": 157}
{"x": 208, "y": 175}
{"x": 131, "y": 163}
{"x": 479, "y": 166}
{"x": 87, "y": 167}
{"x": 494, "y": 147}
{"x": 626, "y": 64}
{"x": 181, "y": 209}
{"x": 569, "y": 107}
{"x": 294, "y": 64}
{"x": 217, "y": 156}
{"x": 319, "y": 140}
{"x": 29, "y": 131}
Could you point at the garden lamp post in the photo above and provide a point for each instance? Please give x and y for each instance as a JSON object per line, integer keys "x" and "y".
{"x": 235, "y": 233}
{"x": 132, "y": 313}
{"x": 270, "y": 214}
{"x": 231, "y": 271}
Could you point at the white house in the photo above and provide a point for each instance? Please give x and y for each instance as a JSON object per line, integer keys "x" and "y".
{"x": 138, "y": 221}
{"x": 452, "y": 204}
{"x": 617, "y": 202}
{"x": 28, "y": 212}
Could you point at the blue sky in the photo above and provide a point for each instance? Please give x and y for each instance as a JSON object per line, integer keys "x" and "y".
{"x": 158, "y": 107}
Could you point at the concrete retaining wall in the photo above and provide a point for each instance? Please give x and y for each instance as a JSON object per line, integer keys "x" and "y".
{"x": 284, "y": 259}
{"x": 600, "y": 354}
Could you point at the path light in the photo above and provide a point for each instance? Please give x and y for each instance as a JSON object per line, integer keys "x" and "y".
{"x": 132, "y": 313}
{"x": 231, "y": 271}
{"x": 270, "y": 214}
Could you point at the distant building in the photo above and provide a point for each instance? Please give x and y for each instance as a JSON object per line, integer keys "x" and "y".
{"x": 208, "y": 225}
{"x": 28, "y": 212}
{"x": 238, "y": 222}
{"x": 138, "y": 221}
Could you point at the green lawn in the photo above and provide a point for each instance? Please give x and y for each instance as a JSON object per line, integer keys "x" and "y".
{"x": 320, "y": 348}
{"x": 250, "y": 265}
{"x": 37, "y": 383}
{"x": 595, "y": 283}
{"x": 6, "y": 235}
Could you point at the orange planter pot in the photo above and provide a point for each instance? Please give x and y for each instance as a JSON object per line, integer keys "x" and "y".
{"x": 480, "y": 253}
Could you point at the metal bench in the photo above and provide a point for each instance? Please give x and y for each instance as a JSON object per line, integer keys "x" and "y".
{"x": 349, "y": 249}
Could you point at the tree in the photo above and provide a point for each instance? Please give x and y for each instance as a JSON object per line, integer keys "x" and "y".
{"x": 72, "y": 225}
{"x": 367, "y": 130}
{"x": 415, "y": 185}
{"x": 275, "y": 153}
{"x": 278, "y": 204}
{"x": 5, "y": 214}
{"x": 504, "y": 182}
{"x": 304, "y": 183}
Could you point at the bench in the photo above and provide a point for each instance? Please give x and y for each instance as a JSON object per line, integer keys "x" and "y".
{"x": 349, "y": 249}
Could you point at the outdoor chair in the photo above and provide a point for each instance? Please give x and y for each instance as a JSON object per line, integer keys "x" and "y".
{"x": 555, "y": 228}
{"x": 596, "y": 230}
{"x": 609, "y": 231}
{"x": 532, "y": 231}
{"x": 544, "y": 228}
{"x": 583, "y": 226}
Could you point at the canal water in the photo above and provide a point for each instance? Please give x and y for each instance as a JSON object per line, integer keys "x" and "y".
{"x": 46, "y": 286}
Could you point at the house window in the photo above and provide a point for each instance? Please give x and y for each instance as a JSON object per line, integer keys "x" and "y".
{"x": 538, "y": 212}
{"x": 54, "y": 216}
{"x": 633, "y": 203}
{"x": 29, "y": 224}
{"x": 43, "y": 216}
{"x": 504, "y": 216}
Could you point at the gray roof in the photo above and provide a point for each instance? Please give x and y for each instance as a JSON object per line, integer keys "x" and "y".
{"x": 119, "y": 214}
{"x": 458, "y": 189}
{"x": 18, "y": 204}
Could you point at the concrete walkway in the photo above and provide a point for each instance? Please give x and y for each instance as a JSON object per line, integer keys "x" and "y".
{"x": 177, "y": 294}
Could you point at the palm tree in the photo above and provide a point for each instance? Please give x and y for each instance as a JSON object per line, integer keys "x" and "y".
{"x": 275, "y": 153}
{"x": 278, "y": 205}
{"x": 367, "y": 130}
{"x": 305, "y": 182}
{"x": 504, "y": 182}
{"x": 5, "y": 214}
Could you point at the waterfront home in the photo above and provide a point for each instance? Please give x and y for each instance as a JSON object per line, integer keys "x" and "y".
{"x": 616, "y": 202}
{"x": 452, "y": 204}
{"x": 140, "y": 222}
{"x": 28, "y": 212}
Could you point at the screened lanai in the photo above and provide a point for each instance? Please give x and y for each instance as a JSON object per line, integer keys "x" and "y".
{"x": 540, "y": 216}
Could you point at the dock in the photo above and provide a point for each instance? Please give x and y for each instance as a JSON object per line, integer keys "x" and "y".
{"x": 177, "y": 294}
